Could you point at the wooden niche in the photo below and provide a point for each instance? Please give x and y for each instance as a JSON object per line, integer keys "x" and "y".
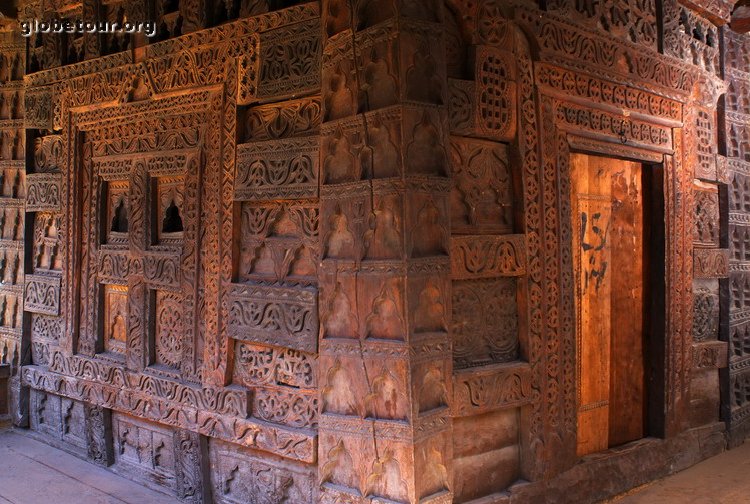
{"x": 610, "y": 216}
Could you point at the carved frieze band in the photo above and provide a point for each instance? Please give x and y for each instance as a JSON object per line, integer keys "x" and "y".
{"x": 276, "y": 316}
{"x": 710, "y": 354}
{"x": 490, "y": 388}
{"x": 43, "y": 193}
{"x": 480, "y": 256}
{"x": 171, "y": 405}
{"x": 42, "y": 294}
{"x": 710, "y": 263}
{"x": 278, "y": 169}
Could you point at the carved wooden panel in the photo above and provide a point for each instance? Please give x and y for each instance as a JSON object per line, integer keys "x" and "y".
{"x": 707, "y": 224}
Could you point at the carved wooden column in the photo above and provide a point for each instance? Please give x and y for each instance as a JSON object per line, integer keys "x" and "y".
{"x": 14, "y": 347}
{"x": 385, "y": 364}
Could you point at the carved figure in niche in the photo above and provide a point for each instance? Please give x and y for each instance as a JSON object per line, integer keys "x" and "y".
{"x": 339, "y": 165}
{"x": 9, "y": 269}
{"x": 425, "y": 155}
{"x": 303, "y": 264}
{"x": 432, "y": 393}
{"x": 15, "y": 110}
{"x": 4, "y": 68}
{"x": 385, "y": 479}
{"x": 3, "y": 265}
{"x": 17, "y": 227}
{"x": 422, "y": 80}
{"x": 383, "y": 402}
{"x": 17, "y": 70}
{"x": 340, "y": 99}
{"x": 284, "y": 225}
{"x": 9, "y": 144}
{"x": 262, "y": 263}
{"x": 383, "y": 152}
{"x": 382, "y": 240}
{"x": 172, "y": 222}
{"x": 339, "y": 469}
{"x": 18, "y": 146}
{"x": 9, "y": 314}
{"x": 428, "y": 232}
{"x": 434, "y": 472}
{"x": 385, "y": 322}
{"x": 4, "y": 106}
{"x": 338, "y": 396}
{"x": 372, "y": 12}
{"x": 430, "y": 313}
{"x": 379, "y": 85}
{"x": 341, "y": 321}
{"x": 339, "y": 241}
{"x": 117, "y": 331}
{"x": 3, "y": 219}
{"x": 120, "y": 218}
{"x": 6, "y": 186}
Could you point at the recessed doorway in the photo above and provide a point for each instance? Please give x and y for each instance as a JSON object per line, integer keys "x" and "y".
{"x": 610, "y": 204}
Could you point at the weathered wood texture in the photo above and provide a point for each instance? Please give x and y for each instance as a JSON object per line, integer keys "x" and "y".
{"x": 324, "y": 253}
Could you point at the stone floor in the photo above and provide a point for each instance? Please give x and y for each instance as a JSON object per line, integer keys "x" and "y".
{"x": 719, "y": 480}
{"x": 34, "y": 473}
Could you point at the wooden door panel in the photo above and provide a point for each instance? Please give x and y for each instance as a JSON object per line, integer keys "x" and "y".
{"x": 608, "y": 255}
{"x": 627, "y": 303}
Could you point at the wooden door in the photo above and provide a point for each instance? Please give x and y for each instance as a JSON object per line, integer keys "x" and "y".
{"x": 608, "y": 259}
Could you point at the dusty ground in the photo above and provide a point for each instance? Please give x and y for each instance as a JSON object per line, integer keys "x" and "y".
{"x": 34, "y": 473}
{"x": 724, "y": 479}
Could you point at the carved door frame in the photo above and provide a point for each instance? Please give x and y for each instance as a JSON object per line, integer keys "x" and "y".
{"x": 552, "y": 124}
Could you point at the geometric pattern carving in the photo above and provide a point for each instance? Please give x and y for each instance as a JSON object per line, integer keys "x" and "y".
{"x": 42, "y": 294}
{"x": 282, "y": 169}
{"x": 274, "y": 316}
{"x": 491, "y": 388}
{"x": 43, "y": 193}
{"x": 485, "y": 324}
{"x": 477, "y": 256}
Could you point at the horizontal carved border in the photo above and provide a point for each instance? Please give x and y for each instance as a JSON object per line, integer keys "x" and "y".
{"x": 710, "y": 263}
{"x": 481, "y": 256}
{"x": 42, "y": 294}
{"x": 276, "y": 316}
{"x": 490, "y": 388}
{"x": 43, "y": 193}
{"x": 710, "y": 355}
{"x": 295, "y": 444}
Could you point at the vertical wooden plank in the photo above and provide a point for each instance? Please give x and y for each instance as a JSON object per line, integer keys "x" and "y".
{"x": 592, "y": 204}
{"x": 626, "y": 418}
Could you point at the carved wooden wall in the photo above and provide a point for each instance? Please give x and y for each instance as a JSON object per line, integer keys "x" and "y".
{"x": 323, "y": 253}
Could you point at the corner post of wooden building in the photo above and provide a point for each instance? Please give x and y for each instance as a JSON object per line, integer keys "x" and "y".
{"x": 385, "y": 359}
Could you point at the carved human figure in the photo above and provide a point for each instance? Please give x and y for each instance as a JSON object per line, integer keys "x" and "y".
{"x": 422, "y": 79}
{"x": 339, "y": 164}
{"x": 9, "y": 314}
{"x": 425, "y": 155}
{"x": 430, "y": 313}
{"x": 17, "y": 227}
{"x": 117, "y": 331}
{"x": 385, "y": 322}
{"x": 340, "y": 240}
{"x": 9, "y": 267}
{"x": 303, "y": 264}
{"x": 339, "y": 100}
{"x": 15, "y": 109}
{"x": 4, "y": 105}
{"x": 385, "y": 478}
{"x": 428, "y": 233}
{"x": 385, "y": 156}
{"x": 383, "y": 402}
{"x": 17, "y": 70}
{"x": 380, "y": 85}
{"x": 9, "y": 144}
{"x": 4, "y": 68}
{"x": 340, "y": 321}
{"x": 337, "y": 394}
{"x": 382, "y": 240}
{"x": 263, "y": 263}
